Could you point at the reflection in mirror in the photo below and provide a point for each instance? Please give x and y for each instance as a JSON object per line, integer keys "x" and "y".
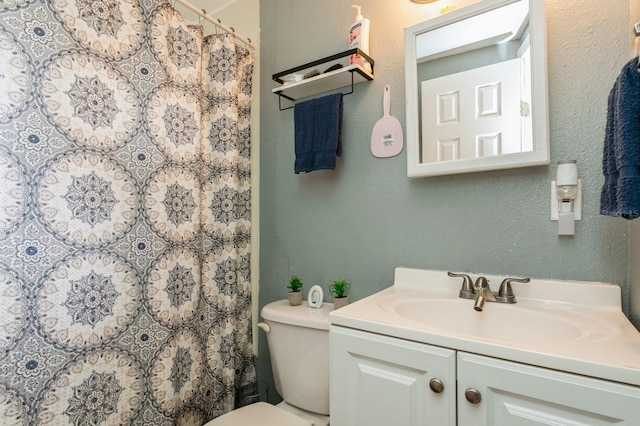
{"x": 477, "y": 89}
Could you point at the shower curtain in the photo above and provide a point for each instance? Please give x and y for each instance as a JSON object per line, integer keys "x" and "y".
{"x": 124, "y": 216}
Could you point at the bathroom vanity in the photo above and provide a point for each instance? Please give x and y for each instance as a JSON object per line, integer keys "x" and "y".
{"x": 417, "y": 354}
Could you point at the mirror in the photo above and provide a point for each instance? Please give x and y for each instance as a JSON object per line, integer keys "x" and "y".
{"x": 476, "y": 82}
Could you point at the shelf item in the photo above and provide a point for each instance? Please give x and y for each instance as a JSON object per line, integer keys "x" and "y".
{"x": 294, "y": 86}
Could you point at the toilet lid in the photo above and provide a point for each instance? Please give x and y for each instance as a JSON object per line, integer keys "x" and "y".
{"x": 259, "y": 414}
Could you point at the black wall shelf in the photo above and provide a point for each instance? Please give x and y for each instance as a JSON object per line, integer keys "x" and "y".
{"x": 294, "y": 87}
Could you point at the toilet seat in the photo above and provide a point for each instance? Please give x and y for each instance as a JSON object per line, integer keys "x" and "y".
{"x": 258, "y": 414}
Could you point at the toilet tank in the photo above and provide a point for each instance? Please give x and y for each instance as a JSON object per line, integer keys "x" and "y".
{"x": 299, "y": 348}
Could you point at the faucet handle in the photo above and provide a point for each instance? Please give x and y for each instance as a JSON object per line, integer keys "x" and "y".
{"x": 505, "y": 293}
{"x": 467, "y": 291}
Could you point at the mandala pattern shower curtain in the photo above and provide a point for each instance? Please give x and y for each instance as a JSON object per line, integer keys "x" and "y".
{"x": 124, "y": 215}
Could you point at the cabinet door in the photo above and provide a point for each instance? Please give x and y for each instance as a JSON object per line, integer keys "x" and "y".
{"x": 520, "y": 395}
{"x": 382, "y": 381}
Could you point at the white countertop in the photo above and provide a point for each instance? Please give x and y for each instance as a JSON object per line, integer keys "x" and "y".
{"x": 607, "y": 345}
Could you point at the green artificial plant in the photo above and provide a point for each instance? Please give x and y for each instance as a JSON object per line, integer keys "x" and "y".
{"x": 339, "y": 288}
{"x": 295, "y": 284}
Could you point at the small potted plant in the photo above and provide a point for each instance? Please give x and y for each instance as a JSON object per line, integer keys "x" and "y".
{"x": 295, "y": 291}
{"x": 340, "y": 291}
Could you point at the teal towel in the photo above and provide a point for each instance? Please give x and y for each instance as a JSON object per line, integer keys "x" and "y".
{"x": 620, "y": 194}
{"x": 318, "y": 133}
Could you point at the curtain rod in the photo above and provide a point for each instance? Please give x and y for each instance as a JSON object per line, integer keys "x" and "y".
{"x": 217, "y": 22}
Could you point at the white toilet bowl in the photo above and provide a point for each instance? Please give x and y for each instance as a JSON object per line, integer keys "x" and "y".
{"x": 259, "y": 413}
{"x": 298, "y": 338}
{"x": 263, "y": 414}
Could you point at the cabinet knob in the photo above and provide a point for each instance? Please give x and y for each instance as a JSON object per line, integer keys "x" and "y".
{"x": 472, "y": 395}
{"x": 436, "y": 385}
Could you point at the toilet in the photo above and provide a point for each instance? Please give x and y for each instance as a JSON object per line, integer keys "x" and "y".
{"x": 298, "y": 338}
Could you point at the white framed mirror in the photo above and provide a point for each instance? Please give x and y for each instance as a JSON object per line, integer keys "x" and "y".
{"x": 476, "y": 89}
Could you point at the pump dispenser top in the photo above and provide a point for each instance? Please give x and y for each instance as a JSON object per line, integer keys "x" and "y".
{"x": 358, "y": 10}
{"x": 359, "y": 37}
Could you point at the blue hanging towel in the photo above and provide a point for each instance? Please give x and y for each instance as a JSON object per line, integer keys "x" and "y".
{"x": 620, "y": 194}
{"x": 318, "y": 133}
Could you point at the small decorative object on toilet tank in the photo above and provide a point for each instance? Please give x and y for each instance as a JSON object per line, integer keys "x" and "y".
{"x": 295, "y": 290}
{"x": 340, "y": 291}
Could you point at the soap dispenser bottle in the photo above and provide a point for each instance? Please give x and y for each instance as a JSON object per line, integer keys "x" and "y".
{"x": 359, "y": 37}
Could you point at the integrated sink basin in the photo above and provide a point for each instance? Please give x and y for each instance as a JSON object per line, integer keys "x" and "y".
{"x": 543, "y": 323}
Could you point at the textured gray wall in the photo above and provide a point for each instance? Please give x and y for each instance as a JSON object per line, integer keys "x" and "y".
{"x": 364, "y": 219}
{"x": 634, "y": 229}
{"x": 634, "y": 273}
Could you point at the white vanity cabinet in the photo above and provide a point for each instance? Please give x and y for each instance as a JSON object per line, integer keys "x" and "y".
{"x": 514, "y": 394}
{"x": 380, "y": 380}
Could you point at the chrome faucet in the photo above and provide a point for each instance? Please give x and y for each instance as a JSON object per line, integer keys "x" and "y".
{"x": 481, "y": 292}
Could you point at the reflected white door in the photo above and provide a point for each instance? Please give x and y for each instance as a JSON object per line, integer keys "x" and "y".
{"x": 472, "y": 114}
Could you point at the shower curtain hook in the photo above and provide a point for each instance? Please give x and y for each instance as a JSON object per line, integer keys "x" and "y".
{"x": 201, "y": 18}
